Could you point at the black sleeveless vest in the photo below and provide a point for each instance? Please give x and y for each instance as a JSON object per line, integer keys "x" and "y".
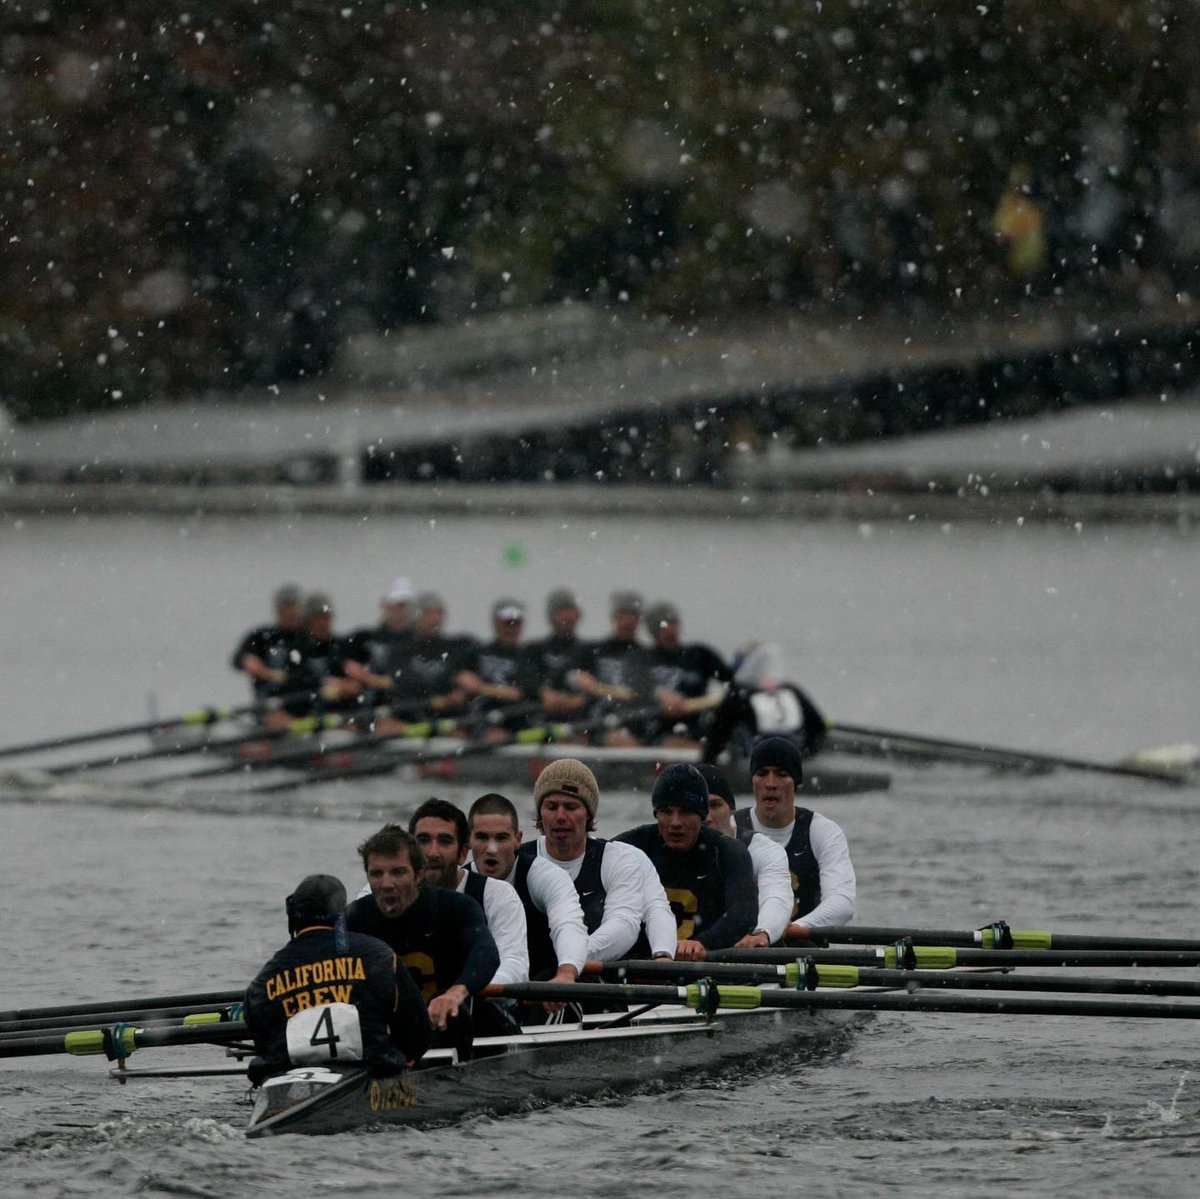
{"x": 588, "y": 884}
{"x": 806, "y": 874}
{"x": 543, "y": 961}
{"x": 474, "y": 887}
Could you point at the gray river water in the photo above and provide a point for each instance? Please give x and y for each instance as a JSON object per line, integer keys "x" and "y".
{"x": 1084, "y": 641}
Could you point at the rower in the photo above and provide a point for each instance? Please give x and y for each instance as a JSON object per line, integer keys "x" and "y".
{"x": 557, "y": 936}
{"x": 616, "y": 671}
{"x": 555, "y": 658}
{"x": 424, "y": 676}
{"x": 440, "y": 829}
{"x": 439, "y": 935}
{"x": 689, "y": 680}
{"x": 372, "y": 653}
{"x": 709, "y": 879}
{"x": 499, "y": 674}
{"x": 267, "y": 654}
{"x": 617, "y": 884}
{"x": 823, "y": 883}
{"x": 319, "y": 664}
{"x": 332, "y": 996}
{"x": 771, "y": 871}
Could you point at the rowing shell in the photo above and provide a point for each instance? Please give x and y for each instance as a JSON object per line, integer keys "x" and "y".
{"x": 453, "y": 760}
{"x": 671, "y": 1046}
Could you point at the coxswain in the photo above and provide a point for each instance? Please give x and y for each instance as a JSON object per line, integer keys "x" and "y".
{"x": 440, "y": 829}
{"x": 823, "y": 883}
{"x": 556, "y": 658}
{"x": 771, "y": 871}
{"x": 557, "y": 937}
{"x": 499, "y": 674}
{"x": 761, "y": 703}
{"x": 689, "y": 679}
{"x": 709, "y": 879}
{"x": 269, "y": 654}
{"x": 332, "y": 996}
{"x": 440, "y": 935}
{"x": 617, "y": 885}
{"x": 616, "y": 672}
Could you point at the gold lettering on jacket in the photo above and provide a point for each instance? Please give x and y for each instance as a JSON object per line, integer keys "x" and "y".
{"x": 328, "y": 980}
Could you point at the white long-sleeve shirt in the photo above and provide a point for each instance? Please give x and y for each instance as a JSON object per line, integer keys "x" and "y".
{"x": 629, "y": 899}
{"x": 774, "y": 879}
{"x": 832, "y": 853}
{"x": 505, "y": 916}
{"x": 552, "y": 892}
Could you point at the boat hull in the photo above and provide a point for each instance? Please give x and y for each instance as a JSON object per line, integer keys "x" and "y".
{"x": 673, "y": 1048}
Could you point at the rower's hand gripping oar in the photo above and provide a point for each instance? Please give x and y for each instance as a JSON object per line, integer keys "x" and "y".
{"x": 549, "y": 733}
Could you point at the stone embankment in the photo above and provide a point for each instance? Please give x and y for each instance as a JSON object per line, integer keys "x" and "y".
{"x": 1033, "y": 414}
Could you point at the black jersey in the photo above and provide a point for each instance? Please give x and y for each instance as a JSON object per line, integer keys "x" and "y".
{"x": 425, "y": 668}
{"x": 379, "y": 648}
{"x": 554, "y": 659}
{"x": 711, "y": 888}
{"x": 620, "y": 664}
{"x": 688, "y": 669}
{"x": 442, "y": 938}
{"x": 806, "y": 871}
{"x": 326, "y": 965}
{"x": 280, "y": 649}
{"x": 501, "y": 665}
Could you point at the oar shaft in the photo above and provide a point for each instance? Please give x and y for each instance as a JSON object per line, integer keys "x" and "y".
{"x": 868, "y": 976}
{"x": 941, "y": 957}
{"x": 92, "y": 1018}
{"x": 1001, "y": 755}
{"x": 735, "y": 997}
{"x": 113, "y": 1008}
{"x": 985, "y": 938}
{"x": 95, "y": 1041}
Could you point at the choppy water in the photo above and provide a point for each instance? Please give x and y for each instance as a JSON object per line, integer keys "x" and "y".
{"x": 1081, "y": 641}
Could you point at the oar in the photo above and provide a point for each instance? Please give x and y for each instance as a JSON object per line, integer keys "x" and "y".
{"x": 155, "y": 1022}
{"x": 710, "y": 998}
{"x": 538, "y": 735}
{"x": 840, "y": 735}
{"x": 808, "y": 975}
{"x": 201, "y": 716}
{"x": 418, "y": 732}
{"x": 10, "y": 1028}
{"x": 946, "y": 957}
{"x": 999, "y": 936}
{"x": 182, "y": 749}
{"x": 120, "y": 1040}
{"x": 114, "y": 1007}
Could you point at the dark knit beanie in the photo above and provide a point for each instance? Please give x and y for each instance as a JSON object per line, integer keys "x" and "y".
{"x": 681, "y": 786}
{"x": 780, "y": 752}
{"x": 718, "y": 784}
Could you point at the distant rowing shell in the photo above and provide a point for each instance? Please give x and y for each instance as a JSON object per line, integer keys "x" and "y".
{"x": 453, "y": 760}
